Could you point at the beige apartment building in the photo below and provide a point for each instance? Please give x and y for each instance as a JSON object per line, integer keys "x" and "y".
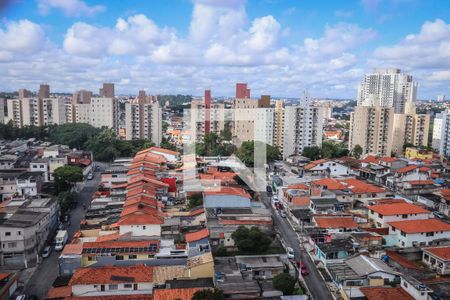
{"x": 54, "y": 111}
{"x": 198, "y": 118}
{"x": 244, "y": 119}
{"x": 14, "y": 112}
{"x": 143, "y": 120}
{"x": 371, "y": 128}
{"x": 32, "y": 114}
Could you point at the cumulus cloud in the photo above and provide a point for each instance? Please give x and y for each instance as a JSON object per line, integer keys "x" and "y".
{"x": 222, "y": 46}
{"x": 73, "y": 8}
{"x": 20, "y": 37}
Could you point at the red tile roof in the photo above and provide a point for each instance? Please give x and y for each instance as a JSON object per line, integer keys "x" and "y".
{"x": 140, "y": 218}
{"x": 393, "y": 209}
{"x": 388, "y": 159}
{"x": 361, "y": 187}
{"x": 110, "y": 275}
{"x": 143, "y": 199}
{"x": 166, "y": 151}
{"x": 197, "y": 212}
{"x": 59, "y": 292}
{"x": 4, "y": 275}
{"x": 171, "y": 294}
{"x": 299, "y": 186}
{"x": 314, "y": 164}
{"x": 245, "y": 222}
{"x": 441, "y": 252}
{"x": 113, "y": 297}
{"x": 421, "y": 182}
{"x": 140, "y": 208}
{"x": 385, "y": 293}
{"x": 198, "y": 235}
{"x": 331, "y": 184}
{"x": 401, "y": 260}
{"x": 108, "y": 237}
{"x": 406, "y": 169}
{"x": 224, "y": 190}
{"x": 335, "y": 222}
{"x": 370, "y": 159}
{"x": 74, "y": 248}
{"x": 418, "y": 226}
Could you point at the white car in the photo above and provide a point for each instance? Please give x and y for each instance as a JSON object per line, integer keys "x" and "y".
{"x": 290, "y": 253}
{"x": 47, "y": 251}
{"x": 282, "y": 214}
{"x": 274, "y": 199}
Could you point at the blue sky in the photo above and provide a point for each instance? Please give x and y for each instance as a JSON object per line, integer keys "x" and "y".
{"x": 279, "y": 47}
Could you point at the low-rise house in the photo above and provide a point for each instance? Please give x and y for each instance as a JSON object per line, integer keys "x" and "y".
{"x": 114, "y": 281}
{"x": 380, "y": 215}
{"x": 70, "y": 259}
{"x": 325, "y": 203}
{"x": 438, "y": 259}
{"x": 334, "y": 250}
{"x": 408, "y": 173}
{"x": 108, "y": 252}
{"x": 22, "y": 237}
{"x": 226, "y": 197}
{"x": 7, "y": 161}
{"x": 197, "y": 242}
{"x": 385, "y": 292}
{"x": 41, "y": 165}
{"x": 260, "y": 267}
{"x": 170, "y": 156}
{"x": 417, "y": 187}
{"x": 325, "y": 167}
{"x": 335, "y": 223}
{"x": 29, "y": 183}
{"x": 367, "y": 240}
{"x": 8, "y": 184}
{"x": 114, "y": 175}
{"x": 418, "y": 232}
{"x": 361, "y": 271}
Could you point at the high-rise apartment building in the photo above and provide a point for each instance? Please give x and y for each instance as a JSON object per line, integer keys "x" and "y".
{"x": 302, "y": 126}
{"x": 107, "y": 91}
{"x": 437, "y": 129}
{"x": 143, "y": 119}
{"x": 370, "y": 128}
{"x": 387, "y": 88}
{"x": 206, "y": 117}
{"x": 24, "y": 93}
{"x": 244, "y": 119}
{"x": 104, "y": 112}
{"x": 44, "y": 91}
{"x": 14, "y": 107}
{"x": 31, "y": 112}
{"x": 54, "y": 111}
{"x": 444, "y": 141}
{"x": 82, "y": 96}
{"x": 242, "y": 91}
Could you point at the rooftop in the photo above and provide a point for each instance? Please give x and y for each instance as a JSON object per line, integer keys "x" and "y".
{"x": 441, "y": 252}
{"x": 332, "y": 222}
{"x": 171, "y": 294}
{"x": 393, "y": 209}
{"x": 198, "y": 235}
{"x": 110, "y": 275}
{"x": 384, "y": 293}
{"x": 417, "y": 226}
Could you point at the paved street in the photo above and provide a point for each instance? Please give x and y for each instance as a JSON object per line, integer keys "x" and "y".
{"x": 47, "y": 271}
{"x": 314, "y": 281}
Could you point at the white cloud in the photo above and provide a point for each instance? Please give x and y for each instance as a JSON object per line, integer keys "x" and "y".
{"x": 20, "y": 37}
{"x": 74, "y": 8}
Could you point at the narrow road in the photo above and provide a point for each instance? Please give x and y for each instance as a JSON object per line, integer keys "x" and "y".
{"x": 315, "y": 283}
{"x": 42, "y": 279}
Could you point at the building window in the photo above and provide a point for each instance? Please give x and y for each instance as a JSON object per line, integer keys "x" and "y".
{"x": 430, "y": 233}
{"x": 128, "y": 285}
{"x": 132, "y": 256}
{"x": 7, "y": 233}
{"x": 113, "y": 287}
{"x": 119, "y": 257}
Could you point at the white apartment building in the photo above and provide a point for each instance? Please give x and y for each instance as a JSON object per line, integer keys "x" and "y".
{"x": 437, "y": 129}
{"x": 387, "y": 88}
{"x": 302, "y": 127}
{"x": 143, "y": 120}
{"x": 54, "y": 111}
{"x": 14, "y": 112}
{"x": 244, "y": 120}
{"x": 444, "y": 142}
{"x": 197, "y": 117}
{"x": 104, "y": 112}
{"x": 264, "y": 125}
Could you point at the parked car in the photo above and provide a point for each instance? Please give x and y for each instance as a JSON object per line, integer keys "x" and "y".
{"x": 290, "y": 253}
{"x": 274, "y": 199}
{"x": 438, "y": 215}
{"x": 90, "y": 176}
{"x": 47, "y": 251}
{"x": 268, "y": 189}
{"x": 302, "y": 268}
{"x": 282, "y": 214}
{"x": 21, "y": 297}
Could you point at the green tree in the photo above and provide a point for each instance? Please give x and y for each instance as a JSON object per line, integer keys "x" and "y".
{"x": 311, "y": 152}
{"x": 74, "y": 135}
{"x": 226, "y": 135}
{"x": 165, "y": 143}
{"x": 208, "y": 294}
{"x": 246, "y": 152}
{"x": 66, "y": 200}
{"x": 408, "y": 145}
{"x": 357, "y": 151}
{"x": 251, "y": 240}
{"x": 195, "y": 200}
{"x": 66, "y": 177}
{"x": 104, "y": 145}
{"x": 284, "y": 283}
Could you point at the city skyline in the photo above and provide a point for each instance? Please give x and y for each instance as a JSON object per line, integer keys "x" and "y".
{"x": 277, "y": 47}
